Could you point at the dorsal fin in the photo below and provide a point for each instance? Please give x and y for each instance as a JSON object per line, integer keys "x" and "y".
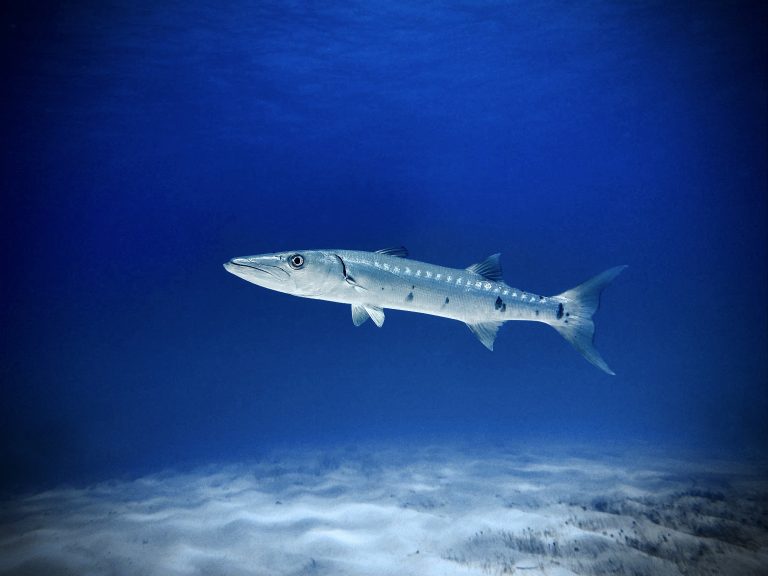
{"x": 399, "y": 251}
{"x": 489, "y": 268}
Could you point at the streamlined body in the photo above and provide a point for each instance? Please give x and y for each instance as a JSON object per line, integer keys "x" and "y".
{"x": 373, "y": 281}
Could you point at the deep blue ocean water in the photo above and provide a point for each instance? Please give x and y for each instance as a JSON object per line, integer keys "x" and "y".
{"x": 143, "y": 144}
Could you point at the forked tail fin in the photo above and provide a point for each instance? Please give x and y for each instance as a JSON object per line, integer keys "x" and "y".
{"x": 574, "y": 319}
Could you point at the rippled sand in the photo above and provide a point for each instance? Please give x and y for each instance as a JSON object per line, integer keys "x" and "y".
{"x": 403, "y": 511}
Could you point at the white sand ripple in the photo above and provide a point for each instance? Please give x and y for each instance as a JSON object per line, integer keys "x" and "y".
{"x": 408, "y": 511}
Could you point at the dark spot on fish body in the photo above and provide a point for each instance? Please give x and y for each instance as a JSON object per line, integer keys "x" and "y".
{"x": 498, "y": 303}
{"x": 559, "y": 310}
{"x": 537, "y": 312}
{"x": 409, "y": 297}
{"x": 447, "y": 300}
{"x": 413, "y": 286}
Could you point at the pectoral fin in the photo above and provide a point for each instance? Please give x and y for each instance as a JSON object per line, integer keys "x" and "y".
{"x": 485, "y": 332}
{"x": 361, "y": 313}
{"x": 351, "y": 281}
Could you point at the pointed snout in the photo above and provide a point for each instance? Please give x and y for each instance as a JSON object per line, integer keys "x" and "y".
{"x": 264, "y": 270}
{"x": 234, "y": 264}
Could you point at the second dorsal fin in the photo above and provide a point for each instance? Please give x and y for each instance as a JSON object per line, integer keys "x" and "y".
{"x": 489, "y": 268}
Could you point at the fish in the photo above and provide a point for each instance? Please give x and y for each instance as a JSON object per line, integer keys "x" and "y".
{"x": 371, "y": 282}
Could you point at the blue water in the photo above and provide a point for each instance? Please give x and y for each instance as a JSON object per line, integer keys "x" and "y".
{"x": 146, "y": 143}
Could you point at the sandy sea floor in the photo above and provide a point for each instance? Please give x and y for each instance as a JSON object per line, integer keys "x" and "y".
{"x": 403, "y": 511}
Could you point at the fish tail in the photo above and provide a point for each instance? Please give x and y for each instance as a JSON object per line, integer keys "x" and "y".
{"x": 574, "y": 317}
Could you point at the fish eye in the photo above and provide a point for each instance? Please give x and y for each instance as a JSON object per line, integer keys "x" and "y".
{"x": 296, "y": 261}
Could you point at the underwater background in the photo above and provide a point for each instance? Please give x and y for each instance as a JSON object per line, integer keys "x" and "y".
{"x": 144, "y": 144}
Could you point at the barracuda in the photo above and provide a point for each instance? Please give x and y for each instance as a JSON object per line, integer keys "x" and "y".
{"x": 373, "y": 281}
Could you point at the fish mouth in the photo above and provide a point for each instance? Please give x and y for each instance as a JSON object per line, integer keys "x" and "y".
{"x": 239, "y": 266}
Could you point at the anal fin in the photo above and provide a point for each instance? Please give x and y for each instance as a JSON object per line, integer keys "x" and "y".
{"x": 485, "y": 332}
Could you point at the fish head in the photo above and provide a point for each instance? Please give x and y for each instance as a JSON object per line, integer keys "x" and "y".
{"x": 308, "y": 273}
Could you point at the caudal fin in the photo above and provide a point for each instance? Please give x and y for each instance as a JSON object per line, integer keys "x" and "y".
{"x": 574, "y": 319}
